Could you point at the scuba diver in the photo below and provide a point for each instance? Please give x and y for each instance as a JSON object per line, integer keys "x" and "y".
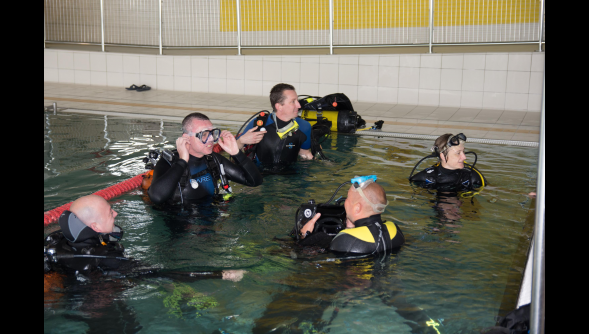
{"x": 287, "y": 135}
{"x": 191, "y": 172}
{"x": 451, "y": 172}
{"x": 355, "y": 228}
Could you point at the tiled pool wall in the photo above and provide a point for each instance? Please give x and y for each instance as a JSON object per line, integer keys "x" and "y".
{"x": 509, "y": 81}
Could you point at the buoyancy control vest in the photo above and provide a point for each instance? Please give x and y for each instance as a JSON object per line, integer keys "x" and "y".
{"x": 437, "y": 176}
{"x": 371, "y": 235}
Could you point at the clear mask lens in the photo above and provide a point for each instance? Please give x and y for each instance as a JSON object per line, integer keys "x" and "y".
{"x": 204, "y": 135}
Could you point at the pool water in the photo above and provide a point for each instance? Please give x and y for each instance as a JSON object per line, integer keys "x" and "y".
{"x": 455, "y": 268}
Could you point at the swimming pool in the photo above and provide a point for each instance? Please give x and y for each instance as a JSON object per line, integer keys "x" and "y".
{"x": 454, "y": 268}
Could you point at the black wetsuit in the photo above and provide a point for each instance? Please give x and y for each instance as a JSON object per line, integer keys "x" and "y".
{"x": 273, "y": 150}
{"x": 438, "y": 177}
{"x": 179, "y": 181}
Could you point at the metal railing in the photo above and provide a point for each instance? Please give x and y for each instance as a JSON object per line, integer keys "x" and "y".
{"x": 242, "y": 24}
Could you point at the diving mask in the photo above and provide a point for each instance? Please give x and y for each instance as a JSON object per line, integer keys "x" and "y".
{"x": 116, "y": 234}
{"x": 361, "y": 182}
{"x": 453, "y": 141}
{"x": 291, "y": 127}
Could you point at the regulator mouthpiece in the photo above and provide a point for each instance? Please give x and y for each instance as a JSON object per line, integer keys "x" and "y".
{"x": 361, "y": 182}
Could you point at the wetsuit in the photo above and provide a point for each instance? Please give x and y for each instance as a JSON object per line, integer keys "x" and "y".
{"x": 273, "y": 150}
{"x": 178, "y": 180}
{"x": 371, "y": 235}
{"x": 437, "y": 176}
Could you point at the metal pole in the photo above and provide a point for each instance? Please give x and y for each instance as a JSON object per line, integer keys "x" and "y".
{"x": 238, "y": 27}
{"x": 541, "y": 26}
{"x": 330, "y": 27}
{"x": 160, "y": 13}
{"x": 538, "y": 288}
{"x": 54, "y": 108}
{"x": 431, "y": 24}
{"x": 102, "y": 24}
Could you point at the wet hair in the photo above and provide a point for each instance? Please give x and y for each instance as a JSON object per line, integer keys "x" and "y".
{"x": 187, "y": 121}
{"x": 276, "y": 94}
{"x": 440, "y": 144}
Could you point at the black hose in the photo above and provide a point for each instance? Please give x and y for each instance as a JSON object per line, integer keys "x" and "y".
{"x": 475, "y": 157}
{"x": 433, "y": 155}
{"x": 246, "y": 122}
{"x": 335, "y": 193}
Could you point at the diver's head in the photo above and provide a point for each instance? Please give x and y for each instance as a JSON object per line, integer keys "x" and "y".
{"x": 95, "y": 212}
{"x": 365, "y": 198}
{"x": 201, "y": 134}
{"x": 450, "y": 150}
{"x": 284, "y": 101}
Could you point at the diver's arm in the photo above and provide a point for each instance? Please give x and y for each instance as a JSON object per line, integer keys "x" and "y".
{"x": 419, "y": 176}
{"x": 250, "y": 137}
{"x": 244, "y": 172}
{"x": 165, "y": 180}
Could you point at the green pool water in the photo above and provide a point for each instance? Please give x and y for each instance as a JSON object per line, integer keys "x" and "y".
{"x": 456, "y": 268}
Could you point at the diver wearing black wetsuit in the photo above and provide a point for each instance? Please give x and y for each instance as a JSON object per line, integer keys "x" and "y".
{"x": 437, "y": 176}
{"x": 178, "y": 180}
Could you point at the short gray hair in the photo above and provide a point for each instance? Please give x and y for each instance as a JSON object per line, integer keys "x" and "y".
{"x": 187, "y": 121}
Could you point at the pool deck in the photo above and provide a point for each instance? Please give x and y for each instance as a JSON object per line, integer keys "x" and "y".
{"x": 422, "y": 120}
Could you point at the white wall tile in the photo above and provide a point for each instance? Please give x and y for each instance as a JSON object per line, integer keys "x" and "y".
{"x": 272, "y": 71}
{"x": 534, "y": 102}
{"x": 349, "y": 60}
{"x": 330, "y": 59}
{"x": 97, "y": 62}
{"x": 236, "y": 69}
{"x": 387, "y": 95}
{"x": 351, "y": 91}
{"x": 493, "y": 100}
{"x": 452, "y": 61}
{"x": 131, "y": 64}
{"x": 538, "y": 62}
{"x": 429, "y": 78}
{"x": 367, "y": 93}
{"x": 253, "y": 87}
{"x": 473, "y": 80}
{"x": 67, "y": 76}
{"x": 451, "y": 79}
{"x": 200, "y": 67}
{"x": 148, "y": 79}
{"x": 474, "y": 62}
{"x": 409, "y": 60}
{"x": 50, "y": 75}
{"x": 272, "y": 59}
{"x": 367, "y": 75}
{"x": 165, "y": 82}
{"x": 307, "y": 88}
{"x": 285, "y": 59}
{"x": 235, "y": 86}
{"x": 325, "y": 89}
{"x": 258, "y": 58}
{"x": 114, "y": 63}
{"x": 408, "y": 96}
{"x": 471, "y": 100}
{"x": 291, "y": 72}
{"x": 450, "y": 98}
{"x": 496, "y": 61}
{"x": 218, "y": 68}
{"x": 200, "y": 85}
{"x": 98, "y": 78}
{"x": 409, "y": 77}
{"x": 65, "y": 60}
{"x": 348, "y": 75}
{"x": 267, "y": 86}
{"x": 49, "y": 59}
{"x": 495, "y": 81}
{"x": 368, "y": 60}
{"x": 388, "y": 77}
{"x": 431, "y": 61}
{"x": 182, "y": 84}
{"x": 520, "y": 62}
{"x": 308, "y": 59}
{"x": 218, "y": 85}
{"x": 389, "y": 60}
{"x": 165, "y": 66}
{"x": 114, "y": 79}
{"x": 429, "y": 97}
{"x": 516, "y": 101}
{"x": 328, "y": 74}
{"x": 518, "y": 82}
{"x": 309, "y": 72}
{"x": 536, "y": 82}
{"x": 148, "y": 64}
{"x": 82, "y": 61}
{"x": 182, "y": 66}
{"x": 132, "y": 79}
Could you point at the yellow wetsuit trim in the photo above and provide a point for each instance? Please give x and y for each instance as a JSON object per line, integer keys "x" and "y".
{"x": 392, "y": 229}
{"x": 362, "y": 233}
{"x": 434, "y": 324}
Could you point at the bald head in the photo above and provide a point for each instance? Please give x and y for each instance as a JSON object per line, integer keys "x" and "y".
{"x": 95, "y": 212}
{"x": 358, "y": 208}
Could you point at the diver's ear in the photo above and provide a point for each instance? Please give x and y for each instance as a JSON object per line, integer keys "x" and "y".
{"x": 94, "y": 226}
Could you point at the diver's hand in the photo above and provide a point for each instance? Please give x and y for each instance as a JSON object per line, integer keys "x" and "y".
{"x": 251, "y": 137}
{"x": 228, "y": 142}
{"x": 233, "y": 275}
{"x": 309, "y": 226}
{"x": 183, "y": 145}
{"x": 305, "y": 154}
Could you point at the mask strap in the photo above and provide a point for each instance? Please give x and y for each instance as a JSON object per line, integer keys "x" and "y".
{"x": 378, "y": 208}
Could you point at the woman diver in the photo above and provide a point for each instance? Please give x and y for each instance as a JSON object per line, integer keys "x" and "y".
{"x": 451, "y": 171}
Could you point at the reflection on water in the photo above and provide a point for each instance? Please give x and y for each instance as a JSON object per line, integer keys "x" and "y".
{"x": 453, "y": 270}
